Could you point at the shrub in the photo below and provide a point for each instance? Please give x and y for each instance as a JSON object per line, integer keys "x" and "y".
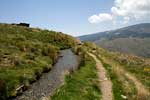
{"x": 90, "y": 45}
{"x": 2, "y": 90}
{"x": 47, "y": 68}
{"x": 30, "y": 56}
{"x": 51, "y": 51}
{"x": 38, "y": 73}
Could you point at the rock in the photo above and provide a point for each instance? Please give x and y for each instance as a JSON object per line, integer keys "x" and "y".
{"x": 105, "y": 79}
{"x": 124, "y": 97}
{"x": 44, "y": 98}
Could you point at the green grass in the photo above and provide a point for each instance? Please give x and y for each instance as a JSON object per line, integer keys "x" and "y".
{"x": 131, "y": 63}
{"x": 121, "y": 84}
{"x": 135, "y": 65}
{"x": 137, "y": 68}
{"x": 117, "y": 84}
{"x": 25, "y": 53}
{"x": 80, "y": 85}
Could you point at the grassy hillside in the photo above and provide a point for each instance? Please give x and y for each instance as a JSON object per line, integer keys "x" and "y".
{"x": 25, "y": 53}
{"x": 136, "y": 46}
{"x": 135, "y": 65}
{"x": 118, "y": 67}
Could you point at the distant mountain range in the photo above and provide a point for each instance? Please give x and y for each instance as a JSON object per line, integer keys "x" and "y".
{"x": 132, "y": 39}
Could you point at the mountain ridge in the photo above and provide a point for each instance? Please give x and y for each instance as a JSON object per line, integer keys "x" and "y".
{"x": 96, "y": 36}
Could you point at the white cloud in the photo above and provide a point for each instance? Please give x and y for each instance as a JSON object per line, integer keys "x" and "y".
{"x": 100, "y": 18}
{"x": 133, "y": 8}
{"x": 129, "y": 9}
{"x": 126, "y": 20}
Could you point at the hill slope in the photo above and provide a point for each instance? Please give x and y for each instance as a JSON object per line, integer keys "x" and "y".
{"x": 139, "y": 30}
{"x": 132, "y": 39}
{"x": 136, "y": 46}
{"x": 25, "y": 53}
{"x": 129, "y": 74}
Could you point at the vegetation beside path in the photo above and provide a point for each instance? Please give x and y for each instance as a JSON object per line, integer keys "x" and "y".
{"x": 122, "y": 86}
{"x": 82, "y": 84}
{"x": 138, "y": 66}
{"x": 126, "y": 72}
{"x": 105, "y": 82}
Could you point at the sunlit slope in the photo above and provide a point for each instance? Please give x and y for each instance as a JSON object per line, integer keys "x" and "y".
{"x": 25, "y": 53}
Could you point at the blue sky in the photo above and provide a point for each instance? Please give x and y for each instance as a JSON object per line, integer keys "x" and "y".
{"x": 68, "y": 16}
